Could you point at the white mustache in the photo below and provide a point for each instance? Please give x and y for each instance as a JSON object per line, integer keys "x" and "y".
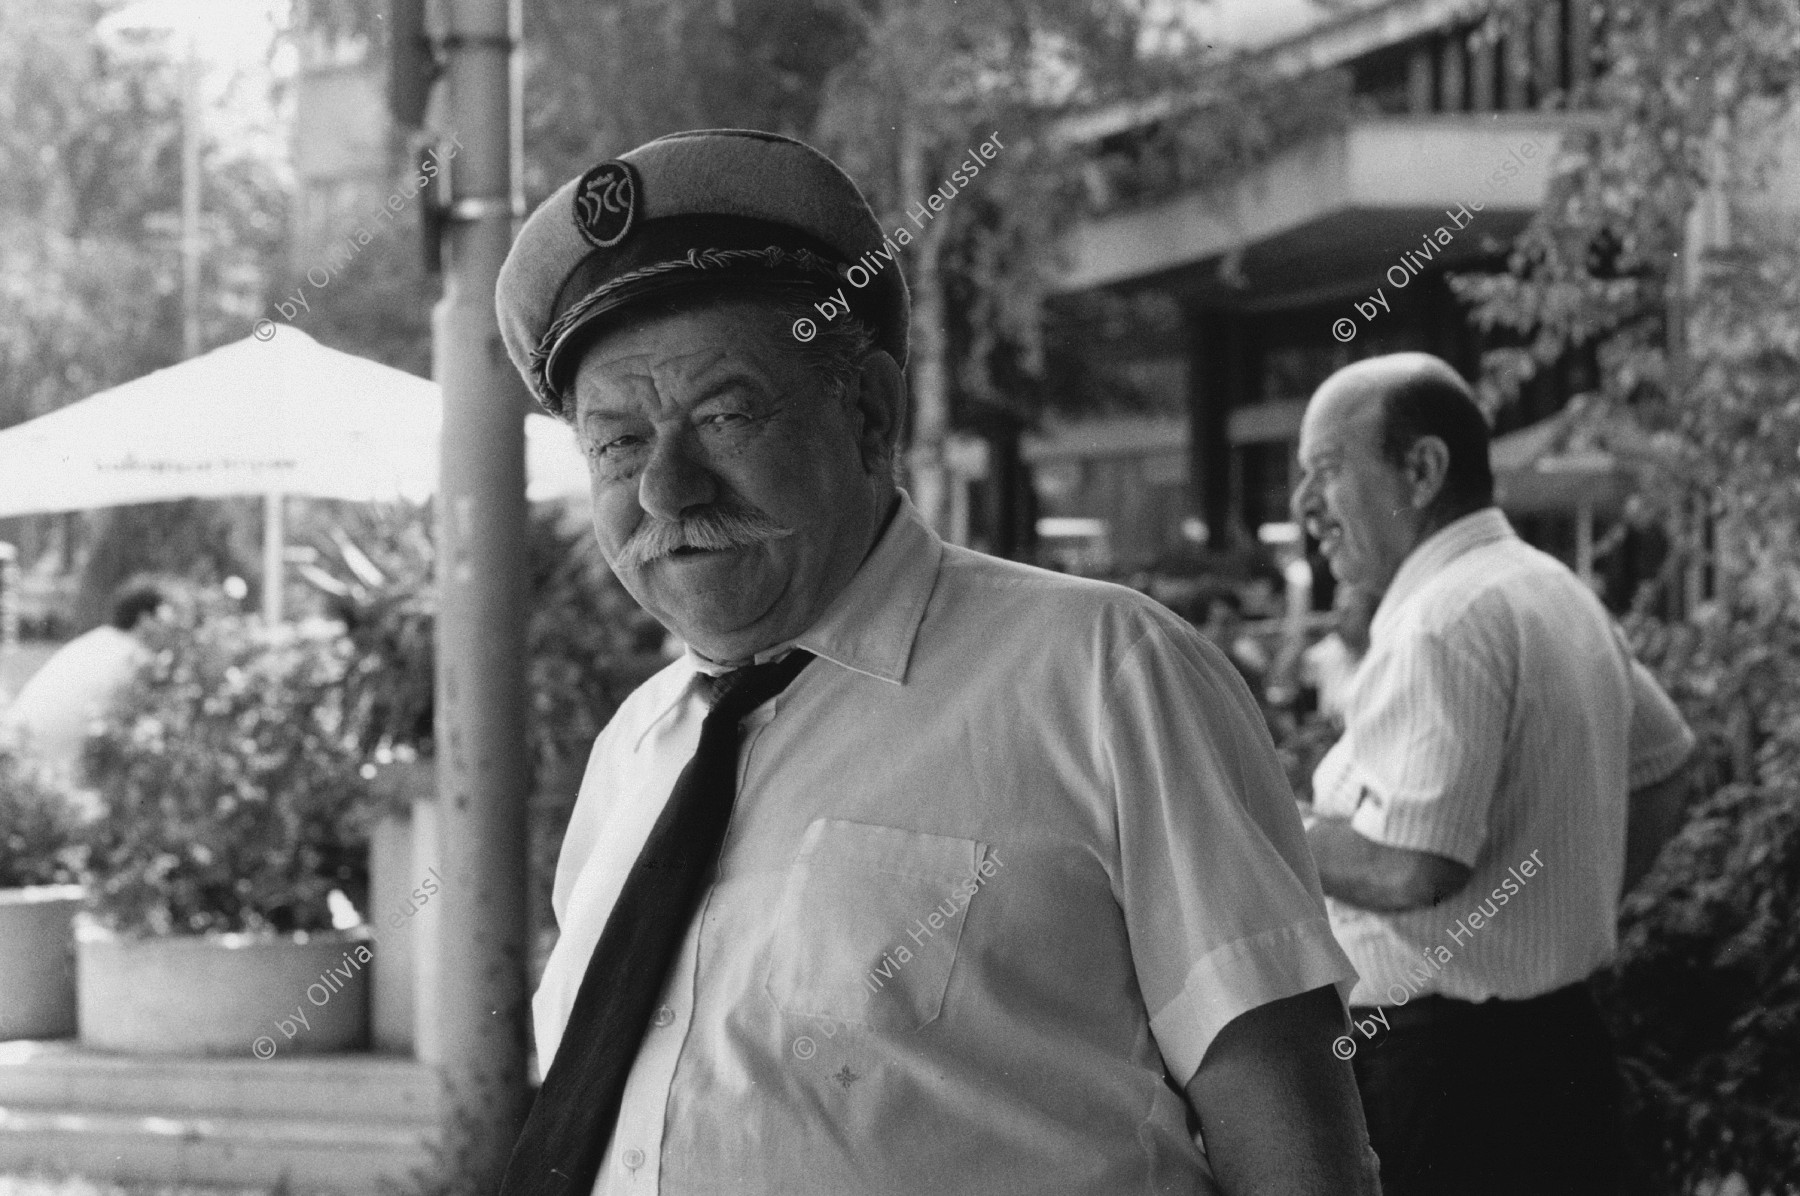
{"x": 714, "y": 530}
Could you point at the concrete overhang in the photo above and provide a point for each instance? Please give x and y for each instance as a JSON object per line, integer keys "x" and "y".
{"x": 1331, "y": 215}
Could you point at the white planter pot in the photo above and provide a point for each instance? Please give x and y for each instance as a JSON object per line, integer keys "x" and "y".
{"x": 222, "y": 994}
{"x": 37, "y": 961}
{"x": 404, "y": 899}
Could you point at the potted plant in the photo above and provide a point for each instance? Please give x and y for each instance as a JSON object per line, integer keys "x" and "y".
{"x": 373, "y": 567}
{"x": 39, "y": 861}
{"x": 235, "y": 822}
{"x": 588, "y": 643}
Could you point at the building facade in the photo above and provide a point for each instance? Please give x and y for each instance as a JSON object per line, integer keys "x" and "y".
{"x": 1338, "y": 248}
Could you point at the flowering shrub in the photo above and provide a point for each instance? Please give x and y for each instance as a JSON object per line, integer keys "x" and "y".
{"x": 588, "y": 645}
{"x": 1658, "y": 255}
{"x": 1704, "y": 997}
{"x": 38, "y": 828}
{"x": 231, "y": 781}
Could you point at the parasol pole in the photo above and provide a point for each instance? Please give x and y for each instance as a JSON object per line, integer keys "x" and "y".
{"x": 274, "y": 555}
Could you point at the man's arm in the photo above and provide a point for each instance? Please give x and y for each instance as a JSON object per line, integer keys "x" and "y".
{"x": 1374, "y": 876}
{"x": 1659, "y": 735}
{"x": 1656, "y": 812}
{"x": 1278, "y": 1110}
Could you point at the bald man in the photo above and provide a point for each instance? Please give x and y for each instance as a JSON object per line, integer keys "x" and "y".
{"x": 1506, "y": 771}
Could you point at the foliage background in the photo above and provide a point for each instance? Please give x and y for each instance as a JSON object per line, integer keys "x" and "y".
{"x": 231, "y": 777}
{"x": 90, "y": 294}
{"x": 39, "y": 842}
{"x": 588, "y": 644}
{"x": 1660, "y": 253}
{"x": 586, "y": 641}
{"x": 1704, "y": 997}
{"x": 90, "y": 184}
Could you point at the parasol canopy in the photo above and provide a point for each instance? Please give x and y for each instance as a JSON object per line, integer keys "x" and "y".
{"x": 282, "y": 416}
{"x": 277, "y": 417}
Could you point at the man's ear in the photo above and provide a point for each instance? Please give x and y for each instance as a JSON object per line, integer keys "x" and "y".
{"x": 1427, "y": 465}
{"x": 880, "y": 408}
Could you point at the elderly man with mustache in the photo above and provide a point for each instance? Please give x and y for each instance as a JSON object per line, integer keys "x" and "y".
{"x": 921, "y": 871}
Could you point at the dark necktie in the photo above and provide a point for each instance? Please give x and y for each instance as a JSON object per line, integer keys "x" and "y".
{"x": 560, "y": 1148}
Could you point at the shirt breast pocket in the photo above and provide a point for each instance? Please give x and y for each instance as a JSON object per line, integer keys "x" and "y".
{"x": 869, "y": 923}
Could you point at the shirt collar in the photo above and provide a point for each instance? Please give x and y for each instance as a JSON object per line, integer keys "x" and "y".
{"x": 1485, "y": 526}
{"x": 871, "y": 625}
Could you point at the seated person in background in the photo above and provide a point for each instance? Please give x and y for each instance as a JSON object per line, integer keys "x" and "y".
{"x": 49, "y": 720}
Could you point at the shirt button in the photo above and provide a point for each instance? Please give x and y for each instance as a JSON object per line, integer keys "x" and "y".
{"x": 634, "y": 1158}
{"x": 664, "y": 1015}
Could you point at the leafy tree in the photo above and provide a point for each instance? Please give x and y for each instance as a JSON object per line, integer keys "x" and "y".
{"x": 86, "y": 298}
{"x": 377, "y": 303}
{"x": 90, "y": 185}
{"x": 1705, "y": 354}
{"x": 378, "y": 295}
{"x": 39, "y": 826}
{"x": 230, "y": 774}
{"x": 601, "y": 78}
{"x": 589, "y": 646}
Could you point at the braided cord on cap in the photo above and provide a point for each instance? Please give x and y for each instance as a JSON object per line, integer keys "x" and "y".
{"x": 774, "y": 257}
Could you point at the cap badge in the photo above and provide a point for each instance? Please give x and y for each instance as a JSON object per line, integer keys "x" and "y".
{"x": 606, "y": 203}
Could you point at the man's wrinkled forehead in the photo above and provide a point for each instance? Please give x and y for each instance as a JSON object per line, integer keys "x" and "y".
{"x": 631, "y": 371}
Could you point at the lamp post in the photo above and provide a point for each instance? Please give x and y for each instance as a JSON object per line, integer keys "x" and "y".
{"x": 477, "y": 1038}
{"x": 190, "y": 195}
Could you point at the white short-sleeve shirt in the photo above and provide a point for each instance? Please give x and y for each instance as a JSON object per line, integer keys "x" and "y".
{"x": 58, "y": 705}
{"x": 1005, "y": 858}
{"x": 1500, "y": 721}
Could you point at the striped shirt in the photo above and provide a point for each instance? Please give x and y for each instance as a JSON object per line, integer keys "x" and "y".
{"x": 1500, "y": 721}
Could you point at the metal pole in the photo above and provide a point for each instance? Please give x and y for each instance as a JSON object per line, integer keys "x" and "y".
{"x": 190, "y": 199}
{"x": 1584, "y": 540}
{"x": 478, "y": 1037}
{"x": 274, "y": 555}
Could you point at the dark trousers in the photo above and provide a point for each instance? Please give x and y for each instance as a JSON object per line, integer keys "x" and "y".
{"x": 1501, "y": 1098}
